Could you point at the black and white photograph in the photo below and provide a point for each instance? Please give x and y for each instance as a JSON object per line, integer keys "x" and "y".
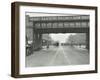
{"x": 51, "y": 39}
{"x": 56, "y": 39}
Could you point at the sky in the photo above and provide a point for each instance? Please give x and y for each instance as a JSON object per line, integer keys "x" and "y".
{"x": 61, "y": 37}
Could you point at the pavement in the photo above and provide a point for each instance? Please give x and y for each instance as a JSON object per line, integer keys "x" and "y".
{"x": 57, "y": 56}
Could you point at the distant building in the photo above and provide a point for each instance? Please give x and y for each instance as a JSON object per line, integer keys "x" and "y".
{"x": 29, "y": 28}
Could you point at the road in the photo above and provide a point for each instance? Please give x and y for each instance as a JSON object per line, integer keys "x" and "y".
{"x": 58, "y": 56}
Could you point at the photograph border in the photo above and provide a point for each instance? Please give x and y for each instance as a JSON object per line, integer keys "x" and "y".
{"x": 15, "y": 33}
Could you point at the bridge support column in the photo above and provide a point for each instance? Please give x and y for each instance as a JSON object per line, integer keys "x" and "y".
{"x": 37, "y": 41}
{"x": 87, "y": 40}
{"x": 40, "y": 40}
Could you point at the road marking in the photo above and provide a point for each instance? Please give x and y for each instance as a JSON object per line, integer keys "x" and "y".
{"x": 57, "y": 52}
{"x": 52, "y": 60}
{"x": 65, "y": 56}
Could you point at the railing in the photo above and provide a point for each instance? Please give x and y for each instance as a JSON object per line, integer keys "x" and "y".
{"x": 59, "y": 18}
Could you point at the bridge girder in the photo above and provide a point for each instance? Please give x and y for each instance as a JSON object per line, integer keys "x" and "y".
{"x": 62, "y": 30}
